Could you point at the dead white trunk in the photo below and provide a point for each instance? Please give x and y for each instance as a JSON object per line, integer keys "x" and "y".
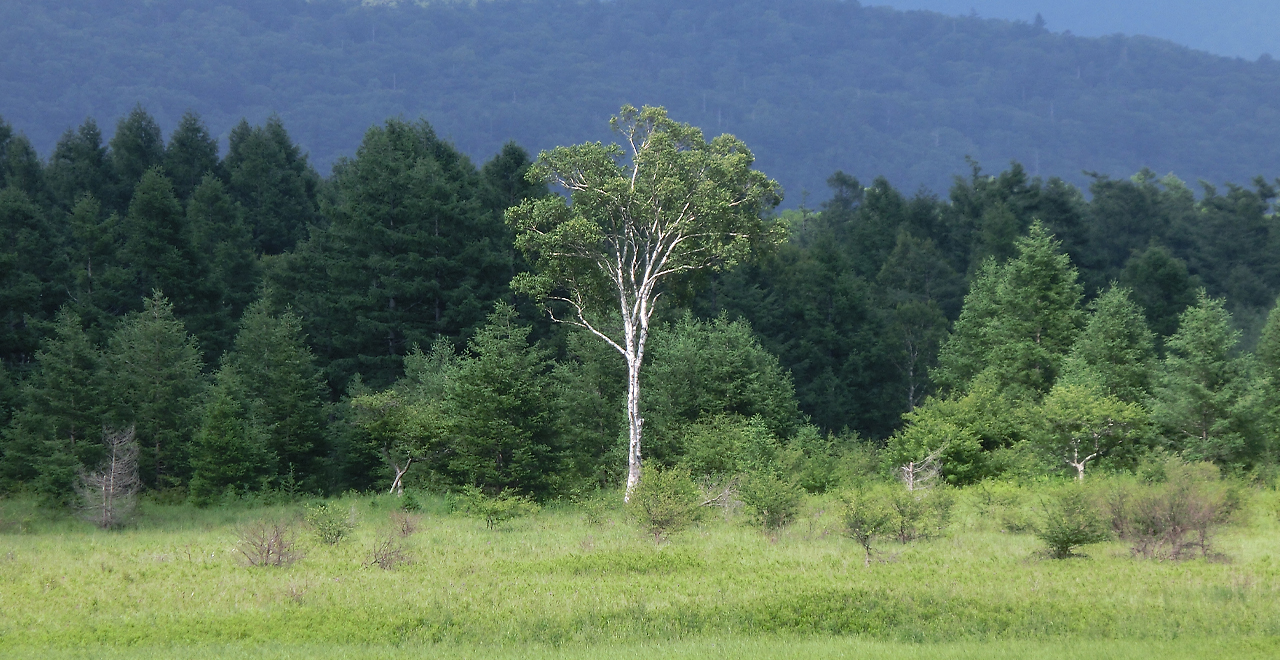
{"x": 397, "y": 485}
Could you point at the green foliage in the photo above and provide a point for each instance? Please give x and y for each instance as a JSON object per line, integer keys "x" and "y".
{"x": 33, "y": 275}
{"x": 191, "y": 155}
{"x": 1201, "y": 400}
{"x": 1082, "y": 423}
{"x": 1069, "y": 520}
{"x": 665, "y": 502}
{"x": 725, "y": 445}
{"x": 865, "y": 518}
{"x": 496, "y": 509}
{"x": 136, "y": 148}
{"x": 412, "y": 251}
{"x": 155, "y": 382}
{"x": 231, "y": 452}
{"x": 280, "y": 386}
{"x": 1024, "y": 320}
{"x": 271, "y": 181}
{"x": 705, "y": 370}
{"x": 1115, "y": 350}
{"x": 918, "y": 514}
{"x": 330, "y": 521}
{"x": 772, "y": 501}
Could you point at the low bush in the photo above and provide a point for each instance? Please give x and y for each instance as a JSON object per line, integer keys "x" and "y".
{"x": 1070, "y": 520}
{"x": 497, "y": 509}
{"x": 1174, "y": 519}
{"x": 388, "y": 553}
{"x": 771, "y": 501}
{"x": 918, "y": 514}
{"x": 865, "y": 519}
{"x": 665, "y": 502}
{"x": 330, "y": 522}
{"x": 268, "y": 543}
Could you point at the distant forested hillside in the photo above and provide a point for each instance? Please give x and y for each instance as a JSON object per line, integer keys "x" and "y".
{"x": 812, "y": 85}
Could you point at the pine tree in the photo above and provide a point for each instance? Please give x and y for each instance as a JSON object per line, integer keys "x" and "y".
{"x": 280, "y": 386}
{"x": 136, "y": 148}
{"x": 1200, "y": 400}
{"x": 192, "y": 153}
{"x": 411, "y": 253}
{"x": 503, "y": 430}
{"x": 80, "y": 165}
{"x": 161, "y": 253}
{"x": 270, "y": 178}
{"x": 1161, "y": 286}
{"x": 100, "y": 284}
{"x": 230, "y": 452}
{"x": 1019, "y": 321}
{"x": 155, "y": 382}
{"x": 20, "y": 166}
{"x": 33, "y": 275}
{"x": 1115, "y": 351}
{"x": 1268, "y": 379}
{"x": 219, "y": 231}
{"x": 57, "y": 432}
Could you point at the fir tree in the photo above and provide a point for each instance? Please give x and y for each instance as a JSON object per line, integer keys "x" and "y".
{"x": 136, "y": 148}
{"x": 33, "y": 275}
{"x": 280, "y": 385}
{"x": 192, "y": 153}
{"x": 219, "y": 231}
{"x": 1115, "y": 351}
{"x": 57, "y": 432}
{"x": 155, "y": 382}
{"x": 270, "y": 178}
{"x": 1200, "y": 400}
{"x": 502, "y": 427}
{"x": 230, "y": 452}
{"x": 80, "y": 165}
{"x": 161, "y": 254}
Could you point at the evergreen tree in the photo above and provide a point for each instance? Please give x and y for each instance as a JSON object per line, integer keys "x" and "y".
{"x": 230, "y": 452}
{"x": 192, "y": 153}
{"x": 155, "y": 382}
{"x": 218, "y": 230}
{"x": 1200, "y": 401}
{"x": 136, "y": 148}
{"x": 20, "y": 166}
{"x": 1115, "y": 351}
{"x": 411, "y": 253}
{"x": 33, "y": 275}
{"x": 506, "y": 176}
{"x": 1025, "y": 316}
{"x": 270, "y": 178}
{"x": 279, "y": 384}
{"x": 503, "y": 428}
{"x": 1268, "y": 380}
{"x": 57, "y": 430}
{"x": 100, "y": 283}
{"x": 80, "y": 165}
{"x": 160, "y": 251}
{"x": 1161, "y": 286}
{"x": 703, "y": 369}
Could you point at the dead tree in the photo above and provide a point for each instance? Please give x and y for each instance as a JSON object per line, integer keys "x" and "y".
{"x": 109, "y": 495}
{"x": 919, "y": 474}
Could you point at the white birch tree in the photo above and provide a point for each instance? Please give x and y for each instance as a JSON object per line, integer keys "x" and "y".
{"x": 641, "y": 217}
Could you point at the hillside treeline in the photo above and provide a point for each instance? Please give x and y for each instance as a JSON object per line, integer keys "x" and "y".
{"x": 811, "y": 85}
{"x": 264, "y": 328}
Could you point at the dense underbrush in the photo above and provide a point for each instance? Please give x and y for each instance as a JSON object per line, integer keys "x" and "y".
{"x": 589, "y": 573}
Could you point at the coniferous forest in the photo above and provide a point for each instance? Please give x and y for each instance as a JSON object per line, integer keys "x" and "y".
{"x": 264, "y": 327}
{"x": 867, "y": 334}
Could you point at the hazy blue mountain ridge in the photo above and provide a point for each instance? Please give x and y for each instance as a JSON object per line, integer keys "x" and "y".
{"x": 811, "y": 85}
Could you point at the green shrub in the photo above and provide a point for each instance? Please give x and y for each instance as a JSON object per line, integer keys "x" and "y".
{"x": 771, "y": 501}
{"x": 866, "y": 518}
{"x": 919, "y": 514}
{"x": 1175, "y": 518}
{"x": 665, "y": 502}
{"x": 725, "y": 445}
{"x": 1071, "y": 520}
{"x": 329, "y": 521}
{"x": 497, "y": 509}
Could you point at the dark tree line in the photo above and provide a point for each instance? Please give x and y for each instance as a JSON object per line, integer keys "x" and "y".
{"x": 262, "y": 327}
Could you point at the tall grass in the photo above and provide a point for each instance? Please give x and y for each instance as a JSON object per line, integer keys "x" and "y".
{"x": 563, "y": 582}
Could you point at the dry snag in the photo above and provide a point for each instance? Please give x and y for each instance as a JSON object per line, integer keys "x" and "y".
{"x": 109, "y": 495}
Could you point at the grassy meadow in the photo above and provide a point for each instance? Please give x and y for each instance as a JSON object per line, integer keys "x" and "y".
{"x": 583, "y": 582}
